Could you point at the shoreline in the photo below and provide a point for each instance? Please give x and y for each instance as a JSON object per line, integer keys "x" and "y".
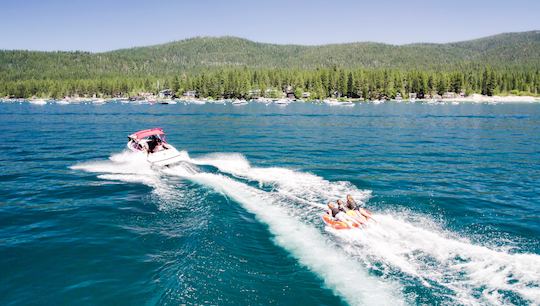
{"x": 474, "y": 98}
{"x": 477, "y": 98}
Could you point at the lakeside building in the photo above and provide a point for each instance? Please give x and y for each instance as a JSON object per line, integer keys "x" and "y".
{"x": 165, "y": 93}
{"x": 254, "y": 93}
{"x": 449, "y": 95}
{"x": 273, "y": 93}
{"x": 289, "y": 92}
{"x": 145, "y": 94}
{"x": 190, "y": 94}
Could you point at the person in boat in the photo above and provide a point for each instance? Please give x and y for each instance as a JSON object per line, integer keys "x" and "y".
{"x": 153, "y": 143}
{"x": 342, "y": 206}
{"x": 333, "y": 210}
{"x": 351, "y": 213}
{"x": 144, "y": 145}
{"x": 340, "y": 212}
{"x": 351, "y": 204}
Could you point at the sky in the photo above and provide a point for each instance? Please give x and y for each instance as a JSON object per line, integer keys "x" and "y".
{"x": 101, "y": 25}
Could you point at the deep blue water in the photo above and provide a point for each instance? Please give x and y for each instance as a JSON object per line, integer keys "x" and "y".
{"x": 455, "y": 190}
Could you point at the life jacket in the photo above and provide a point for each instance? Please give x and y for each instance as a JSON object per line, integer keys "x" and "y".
{"x": 351, "y": 205}
{"x": 335, "y": 211}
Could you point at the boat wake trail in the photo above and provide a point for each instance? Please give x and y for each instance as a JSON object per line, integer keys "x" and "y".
{"x": 131, "y": 167}
{"x": 413, "y": 249}
{"x": 304, "y": 241}
{"x": 402, "y": 248}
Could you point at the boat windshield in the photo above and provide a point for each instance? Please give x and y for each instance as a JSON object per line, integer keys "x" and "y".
{"x": 157, "y": 137}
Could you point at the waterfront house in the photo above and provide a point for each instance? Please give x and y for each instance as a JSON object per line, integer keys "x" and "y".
{"x": 190, "y": 94}
{"x": 254, "y": 93}
{"x": 273, "y": 93}
{"x": 165, "y": 93}
{"x": 449, "y": 95}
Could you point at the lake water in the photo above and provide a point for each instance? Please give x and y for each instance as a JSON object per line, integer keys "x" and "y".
{"x": 455, "y": 190}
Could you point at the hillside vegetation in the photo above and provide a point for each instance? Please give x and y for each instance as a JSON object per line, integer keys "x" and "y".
{"x": 510, "y": 61}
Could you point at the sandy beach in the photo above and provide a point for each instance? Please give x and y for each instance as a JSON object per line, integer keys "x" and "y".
{"x": 477, "y": 98}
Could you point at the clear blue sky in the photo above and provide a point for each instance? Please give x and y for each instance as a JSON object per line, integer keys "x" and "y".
{"x": 100, "y": 25}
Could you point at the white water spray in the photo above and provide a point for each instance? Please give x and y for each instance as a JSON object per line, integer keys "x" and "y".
{"x": 474, "y": 274}
{"x": 341, "y": 274}
{"x": 419, "y": 249}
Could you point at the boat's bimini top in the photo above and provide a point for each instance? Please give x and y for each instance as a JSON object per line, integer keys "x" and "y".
{"x": 146, "y": 133}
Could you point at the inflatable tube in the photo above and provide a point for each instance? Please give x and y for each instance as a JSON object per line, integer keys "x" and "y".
{"x": 357, "y": 216}
{"x": 336, "y": 224}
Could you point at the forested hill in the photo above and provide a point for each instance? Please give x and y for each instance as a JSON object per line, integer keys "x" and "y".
{"x": 510, "y": 50}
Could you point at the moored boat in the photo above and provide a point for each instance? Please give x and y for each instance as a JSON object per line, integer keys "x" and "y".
{"x": 240, "y": 102}
{"x": 38, "y": 101}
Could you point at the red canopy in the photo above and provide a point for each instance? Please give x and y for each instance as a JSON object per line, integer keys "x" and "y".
{"x": 146, "y": 133}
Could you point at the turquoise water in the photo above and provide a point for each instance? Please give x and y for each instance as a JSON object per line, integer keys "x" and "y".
{"x": 455, "y": 190}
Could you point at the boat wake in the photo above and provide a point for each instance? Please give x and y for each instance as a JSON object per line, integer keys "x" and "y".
{"x": 383, "y": 262}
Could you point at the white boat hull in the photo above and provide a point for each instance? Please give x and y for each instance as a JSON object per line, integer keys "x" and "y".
{"x": 162, "y": 158}
{"x": 165, "y": 157}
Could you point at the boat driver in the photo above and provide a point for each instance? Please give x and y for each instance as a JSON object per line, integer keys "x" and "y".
{"x": 153, "y": 142}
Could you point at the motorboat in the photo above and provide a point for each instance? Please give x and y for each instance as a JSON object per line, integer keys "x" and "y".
{"x": 99, "y": 101}
{"x": 283, "y": 102}
{"x": 335, "y": 102}
{"x": 38, "y": 101}
{"x": 195, "y": 101}
{"x": 346, "y": 103}
{"x": 63, "y": 102}
{"x": 153, "y": 144}
{"x": 331, "y": 101}
{"x": 240, "y": 102}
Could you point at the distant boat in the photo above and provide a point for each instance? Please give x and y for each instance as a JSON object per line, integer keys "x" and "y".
{"x": 99, "y": 101}
{"x": 331, "y": 102}
{"x": 196, "y": 101}
{"x": 264, "y": 100}
{"x": 63, "y": 102}
{"x": 283, "y": 101}
{"x": 38, "y": 102}
{"x": 240, "y": 102}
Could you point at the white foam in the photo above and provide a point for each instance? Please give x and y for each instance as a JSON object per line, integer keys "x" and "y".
{"x": 341, "y": 274}
{"x": 315, "y": 191}
{"x": 132, "y": 167}
{"x": 418, "y": 248}
{"x": 346, "y": 277}
{"x": 396, "y": 244}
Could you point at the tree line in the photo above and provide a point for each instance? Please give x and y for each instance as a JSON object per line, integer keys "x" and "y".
{"x": 230, "y": 82}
